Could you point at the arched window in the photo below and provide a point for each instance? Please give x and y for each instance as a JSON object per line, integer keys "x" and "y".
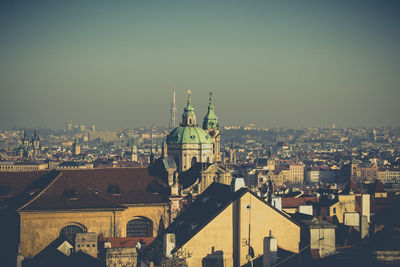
{"x": 139, "y": 228}
{"x": 194, "y": 160}
{"x": 70, "y": 231}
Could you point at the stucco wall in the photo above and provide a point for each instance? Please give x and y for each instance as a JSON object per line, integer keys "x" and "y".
{"x": 39, "y": 229}
{"x": 347, "y": 203}
{"x": 323, "y": 239}
{"x": 264, "y": 219}
{"x": 217, "y": 234}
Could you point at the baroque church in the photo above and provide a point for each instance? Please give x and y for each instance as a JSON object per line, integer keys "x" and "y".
{"x": 191, "y": 156}
{"x": 28, "y": 149}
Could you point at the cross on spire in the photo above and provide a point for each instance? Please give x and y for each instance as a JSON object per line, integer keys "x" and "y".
{"x": 189, "y": 92}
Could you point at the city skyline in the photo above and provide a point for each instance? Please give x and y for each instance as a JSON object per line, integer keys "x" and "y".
{"x": 272, "y": 64}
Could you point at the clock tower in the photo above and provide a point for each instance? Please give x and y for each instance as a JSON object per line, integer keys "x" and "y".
{"x": 211, "y": 126}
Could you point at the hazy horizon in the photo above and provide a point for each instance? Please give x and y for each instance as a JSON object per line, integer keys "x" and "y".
{"x": 274, "y": 64}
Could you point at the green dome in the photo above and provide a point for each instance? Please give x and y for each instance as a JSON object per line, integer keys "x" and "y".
{"x": 188, "y": 135}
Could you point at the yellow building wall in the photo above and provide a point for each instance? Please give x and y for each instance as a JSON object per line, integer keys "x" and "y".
{"x": 39, "y": 229}
{"x": 346, "y": 203}
{"x": 264, "y": 219}
{"x": 218, "y": 234}
{"x": 153, "y": 212}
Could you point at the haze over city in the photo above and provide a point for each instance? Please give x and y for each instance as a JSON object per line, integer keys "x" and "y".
{"x": 282, "y": 63}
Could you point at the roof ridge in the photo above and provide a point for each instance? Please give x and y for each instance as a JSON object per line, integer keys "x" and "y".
{"x": 41, "y": 192}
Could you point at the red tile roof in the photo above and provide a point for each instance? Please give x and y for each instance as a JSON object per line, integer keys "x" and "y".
{"x": 291, "y": 202}
{"x": 126, "y": 242}
{"x": 136, "y": 184}
{"x": 19, "y": 181}
{"x": 45, "y": 190}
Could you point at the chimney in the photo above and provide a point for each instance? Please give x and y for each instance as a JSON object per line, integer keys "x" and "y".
{"x": 277, "y": 203}
{"x": 169, "y": 244}
{"x": 237, "y": 184}
{"x": 365, "y": 206}
{"x": 270, "y": 251}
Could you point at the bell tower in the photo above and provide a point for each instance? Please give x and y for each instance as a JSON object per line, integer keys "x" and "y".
{"x": 211, "y": 126}
{"x": 188, "y": 116}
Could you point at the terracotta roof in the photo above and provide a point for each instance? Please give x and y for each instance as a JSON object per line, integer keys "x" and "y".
{"x": 136, "y": 184}
{"x": 126, "y": 242}
{"x": 82, "y": 189}
{"x": 65, "y": 193}
{"x": 291, "y": 202}
{"x": 19, "y": 181}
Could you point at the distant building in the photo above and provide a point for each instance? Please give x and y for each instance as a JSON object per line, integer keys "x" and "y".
{"x": 172, "y": 120}
{"x": 319, "y": 174}
{"x": 296, "y": 173}
{"x": 68, "y": 165}
{"x": 76, "y": 148}
{"x": 24, "y": 166}
{"x": 28, "y": 149}
{"x": 389, "y": 176}
{"x": 363, "y": 173}
{"x": 69, "y": 126}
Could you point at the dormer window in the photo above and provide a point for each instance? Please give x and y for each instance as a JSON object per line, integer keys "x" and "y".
{"x": 71, "y": 194}
{"x": 114, "y": 189}
{"x": 5, "y": 191}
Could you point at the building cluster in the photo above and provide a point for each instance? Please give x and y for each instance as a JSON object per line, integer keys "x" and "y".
{"x": 197, "y": 194}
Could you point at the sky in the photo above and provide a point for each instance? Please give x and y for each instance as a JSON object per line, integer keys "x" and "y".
{"x": 272, "y": 63}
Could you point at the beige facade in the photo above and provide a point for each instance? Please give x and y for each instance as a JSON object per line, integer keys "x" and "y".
{"x": 241, "y": 224}
{"x": 296, "y": 173}
{"x": 39, "y": 228}
{"x": 389, "y": 176}
{"x": 188, "y": 154}
{"x": 346, "y": 203}
{"x": 21, "y": 167}
{"x": 363, "y": 173}
{"x": 214, "y": 173}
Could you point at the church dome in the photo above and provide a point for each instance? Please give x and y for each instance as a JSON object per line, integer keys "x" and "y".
{"x": 188, "y": 135}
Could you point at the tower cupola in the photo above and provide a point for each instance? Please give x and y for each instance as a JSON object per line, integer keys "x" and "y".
{"x": 188, "y": 116}
{"x": 210, "y": 120}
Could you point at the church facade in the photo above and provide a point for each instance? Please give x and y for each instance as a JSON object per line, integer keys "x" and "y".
{"x": 191, "y": 157}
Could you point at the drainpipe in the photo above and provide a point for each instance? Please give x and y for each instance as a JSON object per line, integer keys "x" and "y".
{"x": 114, "y": 230}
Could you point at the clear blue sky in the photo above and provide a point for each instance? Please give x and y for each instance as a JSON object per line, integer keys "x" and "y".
{"x": 272, "y": 63}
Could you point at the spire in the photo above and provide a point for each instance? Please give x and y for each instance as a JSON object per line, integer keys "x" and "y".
{"x": 188, "y": 116}
{"x": 210, "y": 120}
{"x": 36, "y": 136}
{"x": 172, "y": 122}
{"x": 189, "y": 92}
{"x": 165, "y": 149}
